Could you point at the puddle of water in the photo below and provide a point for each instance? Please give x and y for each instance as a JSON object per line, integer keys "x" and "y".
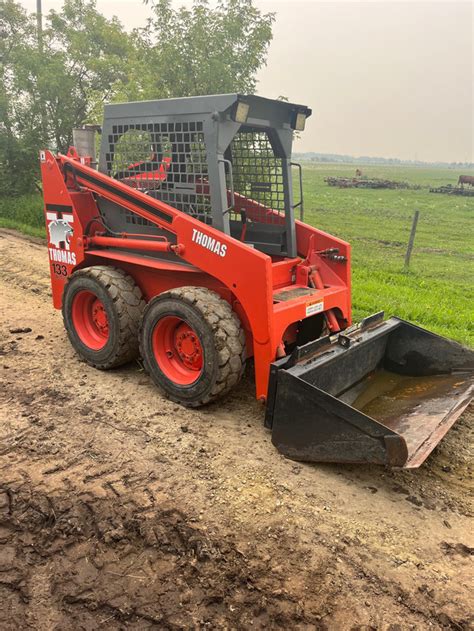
{"x": 417, "y": 408}
{"x": 392, "y": 399}
{"x": 389, "y": 397}
{"x": 414, "y": 407}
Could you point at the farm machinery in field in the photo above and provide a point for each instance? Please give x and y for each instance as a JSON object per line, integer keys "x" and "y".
{"x": 183, "y": 247}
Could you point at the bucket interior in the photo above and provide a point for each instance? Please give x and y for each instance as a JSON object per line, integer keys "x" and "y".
{"x": 411, "y": 381}
{"x": 414, "y": 407}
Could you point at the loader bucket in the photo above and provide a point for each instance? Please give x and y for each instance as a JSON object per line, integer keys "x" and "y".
{"x": 384, "y": 393}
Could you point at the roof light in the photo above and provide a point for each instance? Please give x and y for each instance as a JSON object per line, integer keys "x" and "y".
{"x": 241, "y": 112}
{"x": 300, "y": 121}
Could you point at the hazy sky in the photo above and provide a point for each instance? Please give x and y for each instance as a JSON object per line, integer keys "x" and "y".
{"x": 383, "y": 78}
{"x": 390, "y": 79}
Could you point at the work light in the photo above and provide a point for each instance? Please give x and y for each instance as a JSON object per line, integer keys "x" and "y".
{"x": 241, "y": 112}
{"x": 300, "y": 121}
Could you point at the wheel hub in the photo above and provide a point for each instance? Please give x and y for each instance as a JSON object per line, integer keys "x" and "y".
{"x": 90, "y": 320}
{"x": 188, "y": 347}
{"x": 177, "y": 350}
{"x": 99, "y": 317}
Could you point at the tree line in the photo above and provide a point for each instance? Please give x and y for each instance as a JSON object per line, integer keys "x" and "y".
{"x": 60, "y": 76}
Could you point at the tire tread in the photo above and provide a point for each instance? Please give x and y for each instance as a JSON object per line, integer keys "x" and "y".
{"x": 130, "y": 305}
{"x": 229, "y": 336}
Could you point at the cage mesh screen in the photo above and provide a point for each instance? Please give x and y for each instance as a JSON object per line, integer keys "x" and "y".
{"x": 258, "y": 173}
{"x": 165, "y": 160}
{"x": 135, "y": 220}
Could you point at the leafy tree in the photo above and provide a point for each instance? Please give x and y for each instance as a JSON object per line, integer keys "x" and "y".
{"x": 17, "y": 31}
{"x": 87, "y": 60}
{"x": 45, "y": 93}
{"x": 200, "y": 50}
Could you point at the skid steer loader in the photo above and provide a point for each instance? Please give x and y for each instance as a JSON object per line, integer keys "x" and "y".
{"x": 182, "y": 246}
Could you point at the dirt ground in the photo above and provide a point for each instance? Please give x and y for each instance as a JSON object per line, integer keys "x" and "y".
{"x": 120, "y": 509}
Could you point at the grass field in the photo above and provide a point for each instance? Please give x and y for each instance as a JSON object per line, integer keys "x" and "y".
{"x": 23, "y": 213}
{"x": 437, "y": 291}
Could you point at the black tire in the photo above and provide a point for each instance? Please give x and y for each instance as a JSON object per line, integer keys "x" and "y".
{"x": 221, "y": 338}
{"x": 123, "y": 303}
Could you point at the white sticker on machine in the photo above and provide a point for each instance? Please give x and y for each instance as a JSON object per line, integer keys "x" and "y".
{"x": 314, "y": 307}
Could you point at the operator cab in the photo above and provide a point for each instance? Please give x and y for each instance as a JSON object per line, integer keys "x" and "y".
{"x": 225, "y": 160}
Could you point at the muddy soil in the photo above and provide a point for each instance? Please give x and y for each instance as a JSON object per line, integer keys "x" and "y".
{"x": 120, "y": 509}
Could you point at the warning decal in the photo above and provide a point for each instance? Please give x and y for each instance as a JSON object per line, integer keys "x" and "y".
{"x": 314, "y": 307}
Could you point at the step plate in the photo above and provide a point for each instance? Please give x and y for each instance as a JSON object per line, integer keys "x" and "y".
{"x": 291, "y": 294}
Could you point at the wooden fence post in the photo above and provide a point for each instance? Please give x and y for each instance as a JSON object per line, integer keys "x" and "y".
{"x": 412, "y": 239}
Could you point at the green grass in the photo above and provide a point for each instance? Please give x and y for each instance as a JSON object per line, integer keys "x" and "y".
{"x": 436, "y": 293}
{"x": 23, "y": 213}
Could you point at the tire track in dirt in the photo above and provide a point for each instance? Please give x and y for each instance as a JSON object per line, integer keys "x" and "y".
{"x": 325, "y": 546}
{"x": 23, "y": 264}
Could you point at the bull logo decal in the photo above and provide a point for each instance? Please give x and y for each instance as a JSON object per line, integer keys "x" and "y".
{"x": 60, "y": 231}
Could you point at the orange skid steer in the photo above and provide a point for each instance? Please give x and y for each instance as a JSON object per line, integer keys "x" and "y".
{"x": 182, "y": 246}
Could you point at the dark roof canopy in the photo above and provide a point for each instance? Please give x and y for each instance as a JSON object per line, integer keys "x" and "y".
{"x": 201, "y": 105}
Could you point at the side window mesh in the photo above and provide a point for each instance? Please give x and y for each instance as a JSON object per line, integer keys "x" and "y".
{"x": 135, "y": 220}
{"x": 132, "y": 149}
{"x": 165, "y": 160}
{"x": 258, "y": 175}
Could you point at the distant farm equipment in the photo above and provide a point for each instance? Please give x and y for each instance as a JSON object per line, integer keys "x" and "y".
{"x": 449, "y": 189}
{"x": 365, "y": 182}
